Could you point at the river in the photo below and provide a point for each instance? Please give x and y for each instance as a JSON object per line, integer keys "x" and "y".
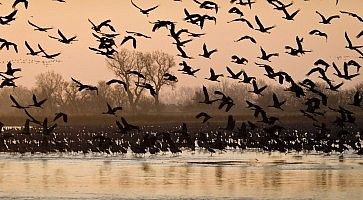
{"x": 232, "y": 175}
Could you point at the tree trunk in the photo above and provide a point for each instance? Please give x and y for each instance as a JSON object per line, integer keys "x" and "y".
{"x": 157, "y": 103}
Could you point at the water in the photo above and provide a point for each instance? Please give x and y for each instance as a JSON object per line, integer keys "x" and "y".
{"x": 233, "y": 175}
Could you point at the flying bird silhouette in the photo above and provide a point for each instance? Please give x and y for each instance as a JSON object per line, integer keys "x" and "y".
{"x": 144, "y": 11}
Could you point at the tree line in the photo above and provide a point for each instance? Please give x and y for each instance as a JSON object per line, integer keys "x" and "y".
{"x": 63, "y": 95}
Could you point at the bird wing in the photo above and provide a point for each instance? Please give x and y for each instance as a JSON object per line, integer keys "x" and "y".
{"x": 14, "y": 101}
{"x": 40, "y": 48}
{"x": 92, "y": 23}
{"x": 136, "y": 5}
{"x": 28, "y": 47}
{"x": 34, "y": 99}
{"x": 32, "y": 24}
{"x": 259, "y": 22}
{"x": 74, "y": 80}
{"x": 61, "y": 34}
{"x": 348, "y": 40}
{"x": 152, "y": 8}
{"x": 11, "y": 15}
{"x": 125, "y": 40}
{"x": 230, "y": 71}
{"x": 275, "y": 99}
{"x": 31, "y": 117}
{"x": 333, "y": 17}
{"x": 322, "y": 16}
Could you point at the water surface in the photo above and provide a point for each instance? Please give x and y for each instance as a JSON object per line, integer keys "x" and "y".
{"x": 232, "y": 175}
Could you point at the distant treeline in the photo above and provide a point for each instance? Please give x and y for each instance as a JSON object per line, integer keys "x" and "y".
{"x": 63, "y": 95}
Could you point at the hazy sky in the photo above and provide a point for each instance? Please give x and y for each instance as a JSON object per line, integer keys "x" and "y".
{"x": 79, "y": 62}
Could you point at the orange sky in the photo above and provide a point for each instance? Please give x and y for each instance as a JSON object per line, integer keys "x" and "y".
{"x": 79, "y": 62}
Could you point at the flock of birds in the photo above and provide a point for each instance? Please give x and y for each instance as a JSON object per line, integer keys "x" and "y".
{"x": 267, "y": 133}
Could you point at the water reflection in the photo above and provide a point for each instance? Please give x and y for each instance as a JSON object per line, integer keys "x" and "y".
{"x": 312, "y": 177}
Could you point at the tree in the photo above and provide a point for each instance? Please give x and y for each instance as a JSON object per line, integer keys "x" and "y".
{"x": 161, "y": 63}
{"x": 123, "y": 62}
{"x": 51, "y": 85}
{"x": 152, "y": 65}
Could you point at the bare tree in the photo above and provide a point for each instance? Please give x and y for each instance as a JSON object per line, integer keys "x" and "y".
{"x": 161, "y": 63}
{"x": 124, "y": 62}
{"x": 51, "y": 85}
{"x": 152, "y": 65}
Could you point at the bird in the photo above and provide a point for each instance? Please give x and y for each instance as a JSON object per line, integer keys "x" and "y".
{"x": 262, "y": 28}
{"x": 47, "y": 130}
{"x": 319, "y": 33}
{"x": 63, "y": 38}
{"x": 249, "y": 24}
{"x": 32, "y": 119}
{"x": 46, "y": 55}
{"x": 16, "y": 104}
{"x": 357, "y": 99}
{"x": 231, "y": 123}
{"x": 242, "y": 3}
{"x": 61, "y": 115}
{"x": 266, "y": 56}
{"x": 111, "y": 110}
{"x": 149, "y": 87}
{"x": 182, "y": 54}
{"x": 38, "y": 28}
{"x": 225, "y": 101}
{"x": 82, "y": 87}
{"x": 277, "y": 104}
{"x": 360, "y": 34}
{"x": 5, "y": 20}
{"x": 206, "y": 52}
{"x": 355, "y": 64}
{"x": 137, "y": 34}
{"x": 351, "y": 46}
{"x": 188, "y": 69}
{"x": 31, "y": 51}
{"x": 345, "y": 74}
{"x": 203, "y": 115}
{"x": 170, "y": 77}
{"x": 98, "y": 28}
{"x": 256, "y": 89}
{"x": 125, "y": 127}
{"x": 247, "y": 37}
{"x": 37, "y": 103}
{"x": 136, "y": 73}
{"x": 209, "y": 5}
{"x": 247, "y": 79}
{"x": 325, "y": 20}
{"x": 144, "y": 11}
{"x": 16, "y": 2}
{"x": 129, "y": 38}
{"x": 10, "y": 71}
{"x": 207, "y": 99}
{"x": 235, "y": 10}
{"x": 289, "y": 16}
{"x": 8, "y": 44}
{"x": 214, "y": 76}
{"x": 116, "y": 81}
{"x": 239, "y": 60}
{"x": 234, "y": 75}
{"x": 352, "y": 15}
{"x": 26, "y": 129}
{"x": 322, "y": 62}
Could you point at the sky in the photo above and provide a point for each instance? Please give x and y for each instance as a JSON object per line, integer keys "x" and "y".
{"x": 79, "y": 62}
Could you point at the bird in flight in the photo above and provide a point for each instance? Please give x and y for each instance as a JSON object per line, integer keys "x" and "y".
{"x": 144, "y": 11}
{"x": 25, "y": 2}
{"x": 38, "y": 28}
{"x": 325, "y": 20}
{"x": 64, "y": 39}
